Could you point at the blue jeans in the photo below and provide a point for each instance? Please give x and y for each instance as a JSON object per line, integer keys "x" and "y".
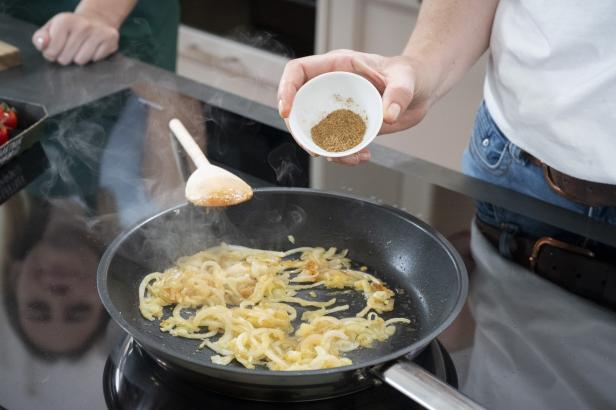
{"x": 491, "y": 157}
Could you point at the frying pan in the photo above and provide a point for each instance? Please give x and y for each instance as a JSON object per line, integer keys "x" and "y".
{"x": 418, "y": 263}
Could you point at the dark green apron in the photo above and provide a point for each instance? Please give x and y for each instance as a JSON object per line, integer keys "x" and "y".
{"x": 148, "y": 34}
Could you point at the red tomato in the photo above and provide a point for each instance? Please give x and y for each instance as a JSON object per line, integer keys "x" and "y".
{"x": 4, "y": 134}
{"x": 11, "y": 119}
{"x": 8, "y": 116}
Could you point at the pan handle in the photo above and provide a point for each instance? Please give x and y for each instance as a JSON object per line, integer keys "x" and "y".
{"x": 421, "y": 386}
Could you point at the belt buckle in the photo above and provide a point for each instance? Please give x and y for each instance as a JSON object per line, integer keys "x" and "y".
{"x": 548, "y": 240}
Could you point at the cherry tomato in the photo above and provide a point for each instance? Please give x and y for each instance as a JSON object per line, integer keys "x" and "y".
{"x": 11, "y": 119}
{"x": 8, "y": 116}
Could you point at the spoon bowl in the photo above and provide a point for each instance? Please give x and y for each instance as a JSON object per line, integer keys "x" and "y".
{"x": 214, "y": 186}
{"x": 209, "y": 185}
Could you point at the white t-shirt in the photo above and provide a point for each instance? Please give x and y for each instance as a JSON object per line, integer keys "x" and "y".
{"x": 551, "y": 82}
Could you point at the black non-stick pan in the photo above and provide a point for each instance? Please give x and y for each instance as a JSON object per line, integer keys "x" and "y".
{"x": 426, "y": 272}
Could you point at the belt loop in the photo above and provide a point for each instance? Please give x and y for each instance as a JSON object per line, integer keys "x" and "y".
{"x": 517, "y": 153}
{"x": 504, "y": 241}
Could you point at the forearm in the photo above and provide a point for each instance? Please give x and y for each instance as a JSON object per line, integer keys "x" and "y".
{"x": 449, "y": 37}
{"x": 114, "y": 12}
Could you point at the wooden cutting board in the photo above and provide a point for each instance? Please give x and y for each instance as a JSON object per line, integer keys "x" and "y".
{"x": 9, "y": 56}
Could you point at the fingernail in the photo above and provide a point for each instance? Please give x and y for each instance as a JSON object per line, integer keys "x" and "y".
{"x": 39, "y": 42}
{"x": 393, "y": 111}
{"x": 364, "y": 156}
{"x": 280, "y": 107}
{"x": 329, "y": 159}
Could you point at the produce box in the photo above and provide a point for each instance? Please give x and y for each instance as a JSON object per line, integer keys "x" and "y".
{"x": 29, "y": 129}
{"x": 19, "y": 172}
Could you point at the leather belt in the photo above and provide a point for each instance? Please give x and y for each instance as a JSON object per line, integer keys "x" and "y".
{"x": 578, "y": 190}
{"x": 579, "y": 270}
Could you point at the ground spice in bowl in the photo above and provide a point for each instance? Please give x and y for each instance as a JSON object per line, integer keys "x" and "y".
{"x": 339, "y": 131}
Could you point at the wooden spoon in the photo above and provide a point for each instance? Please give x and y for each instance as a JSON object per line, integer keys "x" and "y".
{"x": 209, "y": 185}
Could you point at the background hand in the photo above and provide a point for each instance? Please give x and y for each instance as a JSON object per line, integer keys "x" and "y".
{"x": 406, "y": 99}
{"x": 76, "y": 38}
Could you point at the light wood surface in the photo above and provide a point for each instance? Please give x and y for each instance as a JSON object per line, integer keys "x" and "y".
{"x": 9, "y": 56}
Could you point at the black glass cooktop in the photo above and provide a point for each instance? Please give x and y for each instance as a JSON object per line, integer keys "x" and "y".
{"x": 99, "y": 169}
{"x": 520, "y": 342}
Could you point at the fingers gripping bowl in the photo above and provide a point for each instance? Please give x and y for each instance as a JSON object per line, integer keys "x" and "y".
{"x": 327, "y": 93}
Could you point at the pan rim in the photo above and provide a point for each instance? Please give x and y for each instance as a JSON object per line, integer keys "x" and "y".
{"x": 415, "y": 347}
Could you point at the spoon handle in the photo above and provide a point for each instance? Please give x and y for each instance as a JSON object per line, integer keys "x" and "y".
{"x": 188, "y": 142}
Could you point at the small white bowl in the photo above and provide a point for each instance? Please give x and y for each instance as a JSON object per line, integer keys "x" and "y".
{"x": 329, "y": 92}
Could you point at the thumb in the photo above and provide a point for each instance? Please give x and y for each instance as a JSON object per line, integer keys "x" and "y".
{"x": 40, "y": 38}
{"x": 399, "y": 91}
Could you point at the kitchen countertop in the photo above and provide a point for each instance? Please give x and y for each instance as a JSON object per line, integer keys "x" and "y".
{"x": 62, "y": 88}
{"x": 521, "y": 342}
